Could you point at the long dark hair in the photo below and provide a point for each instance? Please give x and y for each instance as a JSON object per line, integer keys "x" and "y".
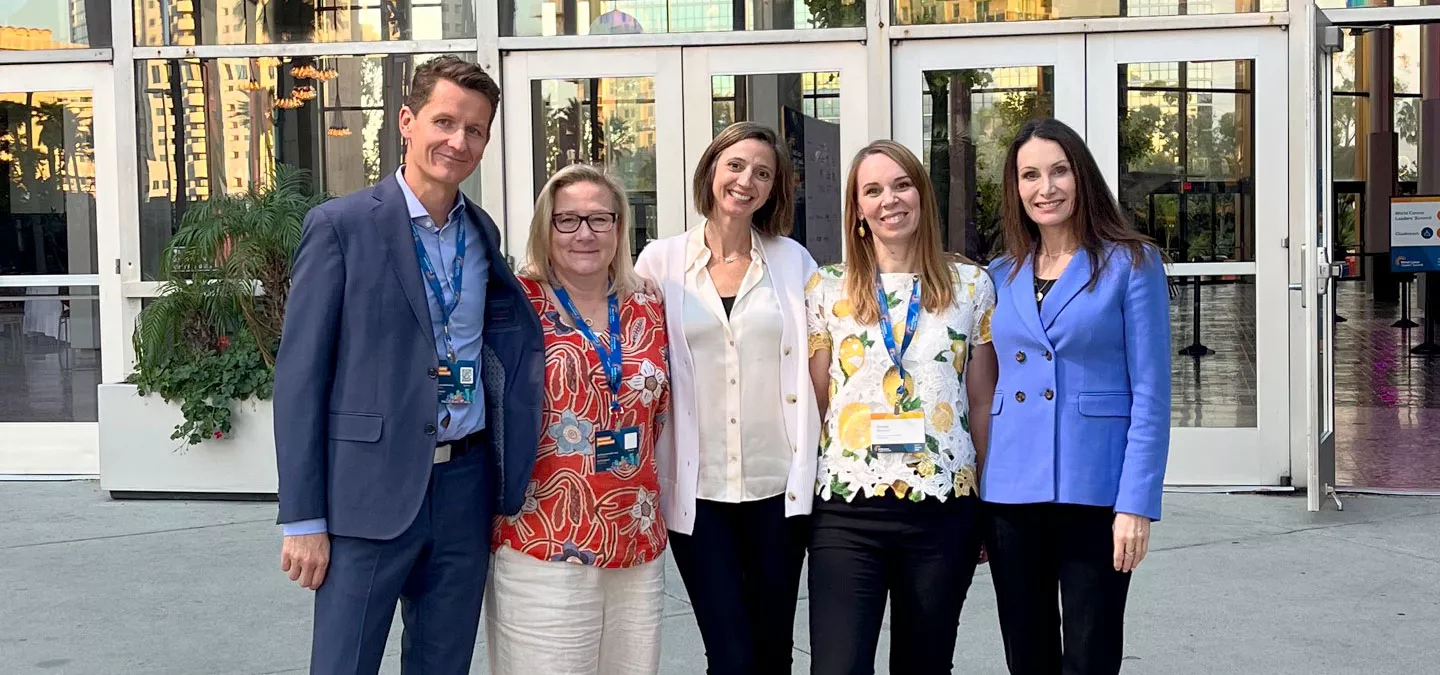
{"x": 1097, "y": 219}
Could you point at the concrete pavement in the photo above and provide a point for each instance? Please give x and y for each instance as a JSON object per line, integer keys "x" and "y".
{"x": 1234, "y": 584}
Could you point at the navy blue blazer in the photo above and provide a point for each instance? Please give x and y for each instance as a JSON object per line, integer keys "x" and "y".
{"x": 356, "y": 397}
{"x": 1081, "y": 413}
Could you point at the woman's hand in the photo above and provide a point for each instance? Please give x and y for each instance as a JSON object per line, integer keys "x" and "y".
{"x": 1132, "y": 540}
{"x": 649, "y": 287}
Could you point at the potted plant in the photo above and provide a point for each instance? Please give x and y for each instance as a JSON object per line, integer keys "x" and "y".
{"x": 205, "y": 348}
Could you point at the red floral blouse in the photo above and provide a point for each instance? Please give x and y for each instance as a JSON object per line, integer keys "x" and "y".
{"x": 572, "y": 512}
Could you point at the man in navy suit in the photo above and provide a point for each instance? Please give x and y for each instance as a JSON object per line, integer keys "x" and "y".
{"x": 407, "y": 395}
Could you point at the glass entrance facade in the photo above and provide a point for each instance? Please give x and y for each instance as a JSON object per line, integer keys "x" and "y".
{"x": 212, "y": 95}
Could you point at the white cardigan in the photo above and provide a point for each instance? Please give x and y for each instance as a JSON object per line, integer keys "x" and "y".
{"x": 677, "y": 454}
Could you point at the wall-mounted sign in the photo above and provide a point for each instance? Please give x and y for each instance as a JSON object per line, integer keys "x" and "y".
{"x": 1415, "y": 234}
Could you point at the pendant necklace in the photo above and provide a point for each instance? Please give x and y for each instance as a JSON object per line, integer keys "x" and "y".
{"x": 1042, "y": 288}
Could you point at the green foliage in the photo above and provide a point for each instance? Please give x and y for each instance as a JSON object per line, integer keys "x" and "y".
{"x": 836, "y": 13}
{"x": 211, "y": 337}
{"x": 205, "y": 384}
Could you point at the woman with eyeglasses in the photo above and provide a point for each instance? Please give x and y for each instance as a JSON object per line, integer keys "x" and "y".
{"x": 578, "y": 578}
{"x": 738, "y": 472}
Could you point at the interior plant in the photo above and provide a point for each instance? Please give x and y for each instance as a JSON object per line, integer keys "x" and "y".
{"x": 211, "y": 336}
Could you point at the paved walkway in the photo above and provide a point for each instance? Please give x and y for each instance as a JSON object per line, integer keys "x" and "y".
{"x": 1237, "y": 584}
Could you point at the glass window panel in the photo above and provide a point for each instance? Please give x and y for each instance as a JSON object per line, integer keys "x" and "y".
{"x": 54, "y": 24}
{"x": 211, "y": 126}
{"x": 1188, "y": 133}
{"x": 234, "y": 22}
{"x": 49, "y": 354}
{"x": 1349, "y": 228}
{"x": 607, "y": 121}
{"x": 969, "y": 118}
{"x": 47, "y": 199}
{"x": 531, "y": 18}
{"x": 805, "y": 109}
{"x": 912, "y": 12}
{"x": 1407, "y": 132}
{"x": 1350, "y": 128}
{"x": 1216, "y": 389}
{"x": 1407, "y": 59}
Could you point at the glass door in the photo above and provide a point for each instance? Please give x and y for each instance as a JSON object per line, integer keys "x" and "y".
{"x": 812, "y": 95}
{"x": 1189, "y": 129}
{"x": 616, "y": 107}
{"x": 1192, "y": 134}
{"x": 1320, "y": 267}
{"x": 958, "y": 105}
{"x": 60, "y": 334}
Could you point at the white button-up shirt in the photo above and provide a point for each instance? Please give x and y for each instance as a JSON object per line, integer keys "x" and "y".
{"x": 744, "y": 448}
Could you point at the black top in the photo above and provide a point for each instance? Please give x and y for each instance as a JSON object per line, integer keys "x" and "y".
{"x": 1042, "y": 288}
{"x": 729, "y": 304}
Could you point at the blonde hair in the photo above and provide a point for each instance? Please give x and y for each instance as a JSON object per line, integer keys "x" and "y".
{"x": 623, "y": 280}
{"x": 937, "y": 278}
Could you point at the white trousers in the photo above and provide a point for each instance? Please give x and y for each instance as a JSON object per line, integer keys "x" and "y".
{"x": 559, "y": 618}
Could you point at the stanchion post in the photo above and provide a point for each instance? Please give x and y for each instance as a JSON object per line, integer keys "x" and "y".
{"x": 1196, "y": 349}
{"x": 1432, "y": 316}
{"x": 1404, "y": 321}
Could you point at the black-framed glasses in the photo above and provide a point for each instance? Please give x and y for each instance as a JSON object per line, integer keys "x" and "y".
{"x": 567, "y": 223}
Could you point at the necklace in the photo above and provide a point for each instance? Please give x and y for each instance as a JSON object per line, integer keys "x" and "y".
{"x": 1042, "y": 287}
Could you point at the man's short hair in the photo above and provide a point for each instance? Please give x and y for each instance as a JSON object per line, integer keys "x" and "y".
{"x": 452, "y": 68}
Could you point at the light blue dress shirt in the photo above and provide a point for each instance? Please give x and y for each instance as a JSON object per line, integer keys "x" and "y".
{"x": 467, "y": 323}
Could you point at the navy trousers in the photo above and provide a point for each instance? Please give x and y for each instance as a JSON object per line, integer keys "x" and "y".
{"x": 435, "y": 570}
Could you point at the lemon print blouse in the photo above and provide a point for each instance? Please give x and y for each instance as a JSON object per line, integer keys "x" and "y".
{"x": 863, "y": 381}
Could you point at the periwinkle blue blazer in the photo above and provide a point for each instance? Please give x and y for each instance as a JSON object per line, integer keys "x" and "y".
{"x": 1081, "y": 413}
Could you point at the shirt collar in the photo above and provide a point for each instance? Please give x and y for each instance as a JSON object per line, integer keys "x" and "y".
{"x": 417, "y": 210}
{"x": 697, "y": 253}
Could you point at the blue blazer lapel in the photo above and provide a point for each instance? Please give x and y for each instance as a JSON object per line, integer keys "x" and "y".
{"x": 1022, "y": 294}
{"x": 392, "y": 219}
{"x": 1073, "y": 280}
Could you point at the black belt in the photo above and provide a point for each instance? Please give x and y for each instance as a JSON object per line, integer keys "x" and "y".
{"x": 452, "y": 450}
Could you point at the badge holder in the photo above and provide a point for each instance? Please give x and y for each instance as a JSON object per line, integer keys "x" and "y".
{"x": 617, "y": 451}
{"x": 457, "y": 383}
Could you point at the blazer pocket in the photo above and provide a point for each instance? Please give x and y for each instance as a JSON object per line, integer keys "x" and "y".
{"x": 1112, "y": 404}
{"x": 359, "y": 427}
{"x": 997, "y": 402}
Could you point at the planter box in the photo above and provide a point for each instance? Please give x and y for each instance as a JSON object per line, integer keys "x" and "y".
{"x": 138, "y": 457}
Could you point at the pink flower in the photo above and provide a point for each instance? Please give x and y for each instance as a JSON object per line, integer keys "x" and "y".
{"x": 223, "y": 343}
{"x": 219, "y": 435}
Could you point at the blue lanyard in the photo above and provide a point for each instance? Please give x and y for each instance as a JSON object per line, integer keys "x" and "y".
{"x": 611, "y": 359}
{"x": 887, "y": 332}
{"x": 457, "y": 279}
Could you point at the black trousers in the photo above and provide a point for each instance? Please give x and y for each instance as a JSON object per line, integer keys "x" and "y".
{"x": 1035, "y": 548}
{"x": 921, "y": 555}
{"x": 741, "y": 567}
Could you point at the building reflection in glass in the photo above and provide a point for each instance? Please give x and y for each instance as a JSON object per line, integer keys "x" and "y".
{"x": 913, "y": 12}
{"x": 529, "y": 18}
{"x": 29, "y": 25}
{"x": 221, "y": 125}
{"x": 969, "y": 118}
{"x": 232, "y": 22}
{"x": 606, "y": 121}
